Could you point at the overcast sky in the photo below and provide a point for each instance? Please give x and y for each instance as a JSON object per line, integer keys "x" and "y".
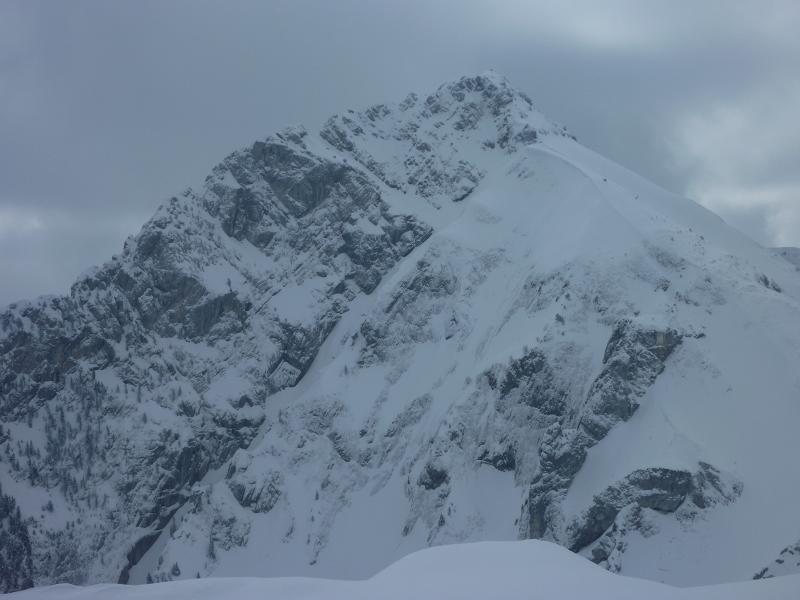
{"x": 107, "y": 108}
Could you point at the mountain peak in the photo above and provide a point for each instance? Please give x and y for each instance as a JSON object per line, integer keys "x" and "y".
{"x": 463, "y": 104}
{"x": 437, "y": 146}
{"x": 489, "y": 83}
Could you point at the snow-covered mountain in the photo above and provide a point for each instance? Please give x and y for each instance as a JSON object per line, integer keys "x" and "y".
{"x": 437, "y": 321}
{"x": 499, "y": 570}
{"x": 789, "y": 253}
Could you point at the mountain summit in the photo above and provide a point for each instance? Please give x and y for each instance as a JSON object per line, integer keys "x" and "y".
{"x": 437, "y": 321}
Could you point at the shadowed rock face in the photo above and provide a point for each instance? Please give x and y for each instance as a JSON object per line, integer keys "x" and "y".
{"x": 625, "y": 507}
{"x": 660, "y": 489}
{"x": 632, "y": 360}
{"x": 260, "y": 496}
{"x": 432, "y": 477}
{"x": 530, "y": 380}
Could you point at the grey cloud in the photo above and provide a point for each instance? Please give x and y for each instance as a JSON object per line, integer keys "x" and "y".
{"x": 107, "y": 108}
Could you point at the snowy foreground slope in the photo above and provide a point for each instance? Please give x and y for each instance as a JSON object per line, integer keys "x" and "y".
{"x": 531, "y": 570}
{"x": 432, "y": 322}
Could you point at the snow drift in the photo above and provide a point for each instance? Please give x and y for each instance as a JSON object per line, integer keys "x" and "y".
{"x": 501, "y": 570}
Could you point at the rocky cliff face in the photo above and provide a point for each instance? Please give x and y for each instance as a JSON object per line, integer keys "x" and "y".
{"x": 435, "y": 321}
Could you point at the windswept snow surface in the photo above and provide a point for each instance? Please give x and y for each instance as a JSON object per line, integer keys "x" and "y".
{"x": 530, "y": 570}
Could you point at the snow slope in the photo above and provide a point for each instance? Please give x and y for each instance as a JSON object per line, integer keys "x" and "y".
{"x": 789, "y": 253}
{"x": 438, "y": 321}
{"x": 499, "y": 570}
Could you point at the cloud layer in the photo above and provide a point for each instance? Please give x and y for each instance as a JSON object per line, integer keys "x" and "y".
{"x": 107, "y": 108}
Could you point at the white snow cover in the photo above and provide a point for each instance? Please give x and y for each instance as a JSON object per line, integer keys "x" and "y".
{"x": 530, "y": 570}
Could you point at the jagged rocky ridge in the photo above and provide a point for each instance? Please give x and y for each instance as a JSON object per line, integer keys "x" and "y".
{"x": 420, "y": 325}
